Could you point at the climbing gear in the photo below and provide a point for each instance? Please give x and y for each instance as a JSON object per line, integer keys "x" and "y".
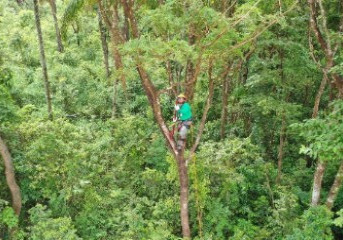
{"x": 172, "y": 131}
{"x": 174, "y": 125}
{"x": 183, "y": 128}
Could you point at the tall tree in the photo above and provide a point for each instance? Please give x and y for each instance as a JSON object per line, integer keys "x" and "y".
{"x": 153, "y": 97}
{"x": 193, "y": 70}
{"x": 329, "y": 49}
{"x": 335, "y": 187}
{"x": 111, "y": 18}
{"x": 43, "y": 60}
{"x": 57, "y": 29}
{"x": 104, "y": 44}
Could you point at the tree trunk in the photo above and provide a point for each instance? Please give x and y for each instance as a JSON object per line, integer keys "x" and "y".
{"x": 10, "y": 177}
{"x": 318, "y": 176}
{"x": 283, "y": 121}
{"x": 319, "y": 95}
{"x": 226, "y": 83}
{"x": 114, "y": 102}
{"x": 104, "y": 44}
{"x": 335, "y": 187}
{"x": 329, "y": 56}
{"x": 317, "y": 183}
{"x": 42, "y": 59}
{"x": 281, "y": 146}
{"x": 126, "y": 29}
{"x": 20, "y": 2}
{"x": 118, "y": 61}
{"x": 183, "y": 177}
{"x": 116, "y": 40}
{"x": 224, "y": 6}
{"x": 57, "y": 29}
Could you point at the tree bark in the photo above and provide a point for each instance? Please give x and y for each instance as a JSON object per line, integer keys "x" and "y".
{"x": 114, "y": 100}
{"x": 281, "y": 146}
{"x": 126, "y": 29}
{"x": 10, "y": 177}
{"x": 223, "y": 121}
{"x": 42, "y": 59}
{"x": 183, "y": 178}
{"x": 60, "y": 47}
{"x": 225, "y": 96}
{"x": 283, "y": 121}
{"x": 116, "y": 40}
{"x": 104, "y": 44}
{"x": 319, "y": 95}
{"x": 335, "y": 187}
{"x": 317, "y": 183}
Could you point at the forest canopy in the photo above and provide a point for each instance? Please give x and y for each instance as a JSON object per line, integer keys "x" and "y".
{"x": 94, "y": 145}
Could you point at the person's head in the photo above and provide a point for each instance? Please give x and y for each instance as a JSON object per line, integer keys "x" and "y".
{"x": 181, "y": 98}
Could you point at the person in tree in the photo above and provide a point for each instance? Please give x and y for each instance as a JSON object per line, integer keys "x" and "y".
{"x": 184, "y": 117}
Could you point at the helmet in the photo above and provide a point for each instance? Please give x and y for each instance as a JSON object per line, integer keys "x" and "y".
{"x": 182, "y": 96}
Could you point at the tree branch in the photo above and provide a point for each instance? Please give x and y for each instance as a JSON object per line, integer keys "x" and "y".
{"x": 10, "y": 177}
{"x": 324, "y": 25}
{"x": 315, "y": 28}
{"x": 104, "y": 15}
{"x": 205, "y": 112}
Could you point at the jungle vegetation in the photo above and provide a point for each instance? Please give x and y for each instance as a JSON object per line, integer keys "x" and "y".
{"x": 87, "y": 94}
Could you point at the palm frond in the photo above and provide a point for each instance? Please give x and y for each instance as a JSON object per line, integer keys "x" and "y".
{"x": 70, "y": 14}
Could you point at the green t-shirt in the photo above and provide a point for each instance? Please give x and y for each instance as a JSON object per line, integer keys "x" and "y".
{"x": 185, "y": 112}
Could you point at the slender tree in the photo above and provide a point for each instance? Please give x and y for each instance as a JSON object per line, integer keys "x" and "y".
{"x": 104, "y": 44}
{"x": 329, "y": 48}
{"x": 335, "y": 187}
{"x": 57, "y": 29}
{"x": 111, "y": 18}
{"x": 224, "y": 112}
{"x": 42, "y": 59}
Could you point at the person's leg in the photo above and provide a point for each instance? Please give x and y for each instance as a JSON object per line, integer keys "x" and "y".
{"x": 182, "y": 137}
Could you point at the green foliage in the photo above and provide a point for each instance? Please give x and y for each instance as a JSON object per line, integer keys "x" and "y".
{"x": 7, "y": 106}
{"x": 71, "y": 12}
{"x": 324, "y": 134}
{"x": 45, "y": 227}
{"x": 315, "y": 224}
{"x": 9, "y": 222}
{"x": 91, "y": 176}
{"x": 8, "y": 217}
